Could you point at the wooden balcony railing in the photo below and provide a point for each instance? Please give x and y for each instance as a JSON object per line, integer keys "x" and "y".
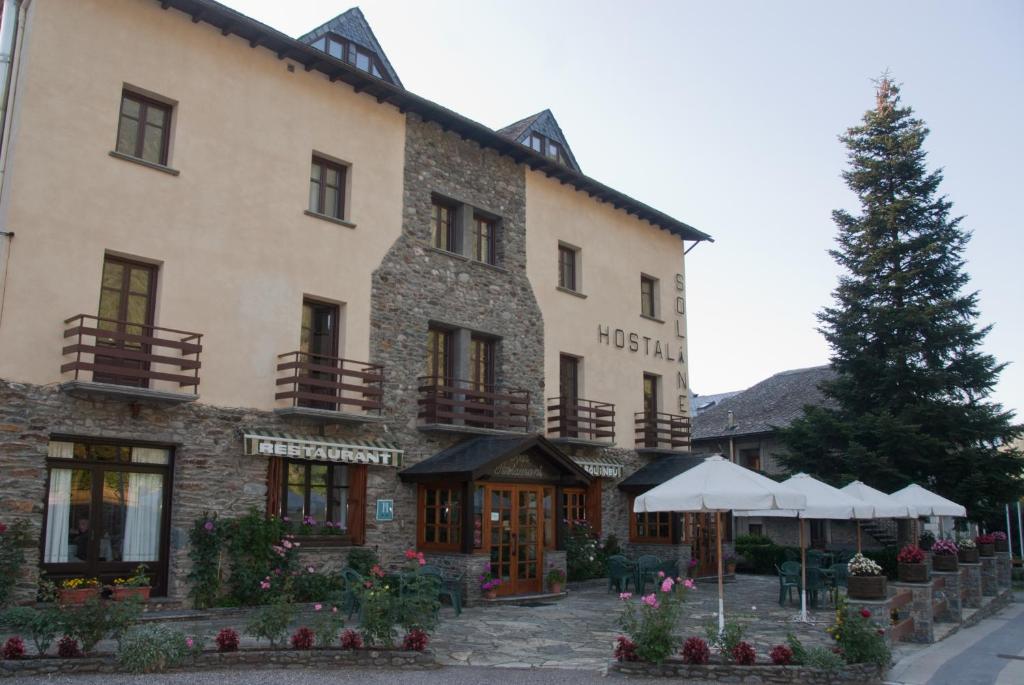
{"x": 658, "y": 430}
{"x": 124, "y": 353}
{"x": 316, "y": 381}
{"x": 458, "y": 402}
{"x": 570, "y": 417}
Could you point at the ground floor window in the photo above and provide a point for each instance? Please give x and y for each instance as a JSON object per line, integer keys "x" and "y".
{"x": 654, "y": 527}
{"x": 316, "y": 491}
{"x": 755, "y": 529}
{"x": 106, "y": 509}
{"x": 819, "y": 533}
{"x": 575, "y": 502}
{"x": 440, "y": 518}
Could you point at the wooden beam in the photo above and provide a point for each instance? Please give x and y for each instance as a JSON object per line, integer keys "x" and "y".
{"x": 197, "y": 17}
{"x": 283, "y": 53}
{"x": 335, "y": 76}
{"x": 253, "y": 42}
{"x": 227, "y": 30}
{"x": 165, "y": 4}
{"x": 312, "y": 65}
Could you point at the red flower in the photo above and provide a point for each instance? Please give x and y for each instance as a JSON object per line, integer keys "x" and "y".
{"x": 696, "y": 651}
{"x": 14, "y": 648}
{"x": 303, "y": 639}
{"x": 781, "y": 655}
{"x": 350, "y": 639}
{"x": 866, "y": 613}
{"x": 743, "y": 654}
{"x": 227, "y": 640}
{"x": 3, "y": 528}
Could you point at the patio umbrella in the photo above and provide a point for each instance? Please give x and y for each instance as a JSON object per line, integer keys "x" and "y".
{"x": 885, "y": 506}
{"x": 718, "y": 485}
{"x": 927, "y": 503}
{"x": 823, "y": 502}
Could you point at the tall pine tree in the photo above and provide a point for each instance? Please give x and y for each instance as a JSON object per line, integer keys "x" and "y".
{"x": 910, "y": 399}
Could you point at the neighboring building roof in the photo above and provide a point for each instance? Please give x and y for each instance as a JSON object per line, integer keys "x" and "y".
{"x": 353, "y": 26}
{"x": 659, "y": 471}
{"x": 231, "y": 21}
{"x": 476, "y": 457}
{"x": 773, "y": 403}
{"x": 545, "y": 124}
{"x": 701, "y": 403}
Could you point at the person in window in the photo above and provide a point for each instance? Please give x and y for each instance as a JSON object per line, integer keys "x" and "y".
{"x": 80, "y": 539}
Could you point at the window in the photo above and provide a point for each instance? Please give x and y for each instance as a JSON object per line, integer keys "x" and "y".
{"x": 439, "y": 354}
{"x": 483, "y": 247}
{"x": 327, "y": 188}
{"x": 574, "y": 500}
{"x": 751, "y": 458}
{"x": 755, "y": 529}
{"x": 819, "y": 533}
{"x": 360, "y": 57}
{"x": 654, "y": 527}
{"x": 481, "y": 363}
{"x": 127, "y": 302}
{"x": 443, "y": 227}
{"x": 648, "y": 296}
{"x": 315, "y": 490}
{"x": 547, "y": 147}
{"x": 144, "y": 127}
{"x": 567, "y": 267}
{"x": 440, "y": 518}
{"x": 536, "y": 142}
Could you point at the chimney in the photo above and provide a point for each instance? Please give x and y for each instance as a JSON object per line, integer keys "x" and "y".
{"x": 731, "y": 420}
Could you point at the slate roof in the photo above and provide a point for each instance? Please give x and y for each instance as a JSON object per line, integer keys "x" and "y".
{"x": 659, "y": 471}
{"x": 477, "y": 456}
{"x": 701, "y": 403}
{"x": 773, "y": 403}
{"x": 353, "y": 26}
{"x": 543, "y": 123}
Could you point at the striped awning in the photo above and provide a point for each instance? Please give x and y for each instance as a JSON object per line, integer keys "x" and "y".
{"x": 601, "y": 467}
{"x": 318, "y": 448}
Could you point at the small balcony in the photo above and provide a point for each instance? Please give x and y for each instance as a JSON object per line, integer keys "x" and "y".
{"x": 581, "y": 422}
{"x": 460, "y": 406}
{"x": 662, "y": 432}
{"x": 137, "y": 362}
{"x": 329, "y": 389}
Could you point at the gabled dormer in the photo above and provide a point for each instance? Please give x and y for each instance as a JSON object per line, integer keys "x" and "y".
{"x": 542, "y": 133}
{"x": 348, "y": 37}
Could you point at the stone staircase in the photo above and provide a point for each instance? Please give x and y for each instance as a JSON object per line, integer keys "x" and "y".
{"x": 882, "y": 530}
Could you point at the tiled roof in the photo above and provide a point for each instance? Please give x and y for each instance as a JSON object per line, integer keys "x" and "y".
{"x": 659, "y": 471}
{"x": 702, "y": 403}
{"x": 772, "y": 403}
{"x": 353, "y": 26}
{"x": 474, "y": 457}
{"x": 545, "y": 124}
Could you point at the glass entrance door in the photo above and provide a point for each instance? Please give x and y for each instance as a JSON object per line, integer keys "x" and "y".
{"x": 514, "y": 521}
{"x": 700, "y": 532}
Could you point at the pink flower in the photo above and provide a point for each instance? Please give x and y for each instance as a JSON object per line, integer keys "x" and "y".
{"x": 625, "y": 595}
{"x": 689, "y": 584}
{"x": 661, "y": 574}
{"x": 334, "y": 610}
{"x": 310, "y": 569}
{"x": 866, "y": 613}
{"x": 208, "y": 525}
{"x": 667, "y": 585}
{"x": 264, "y": 584}
{"x": 651, "y": 601}
{"x": 318, "y": 607}
{"x": 189, "y": 642}
{"x": 3, "y": 528}
{"x": 286, "y": 544}
{"x": 410, "y": 554}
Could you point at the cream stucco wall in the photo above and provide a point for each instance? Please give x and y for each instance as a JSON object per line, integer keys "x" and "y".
{"x": 236, "y": 252}
{"x": 615, "y": 249}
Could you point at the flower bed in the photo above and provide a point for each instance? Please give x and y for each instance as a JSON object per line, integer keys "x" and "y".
{"x": 674, "y": 667}
{"x": 865, "y": 580}
{"x": 944, "y": 556}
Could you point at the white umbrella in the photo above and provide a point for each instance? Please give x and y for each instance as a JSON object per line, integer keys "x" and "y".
{"x": 823, "y": 502}
{"x": 885, "y": 506}
{"x": 718, "y": 485}
{"x": 927, "y": 503}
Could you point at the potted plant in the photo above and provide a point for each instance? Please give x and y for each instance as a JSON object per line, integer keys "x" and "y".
{"x": 691, "y": 568}
{"x": 968, "y": 551}
{"x": 489, "y": 582}
{"x": 926, "y": 540}
{"x": 1002, "y": 542}
{"x": 74, "y": 591}
{"x": 555, "y": 579}
{"x": 135, "y": 585}
{"x": 911, "y": 567}
{"x": 730, "y": 563}
{"x": 944, "y": 553}
{"x": 986, "y": 545}
{"x": 865, "y": 579}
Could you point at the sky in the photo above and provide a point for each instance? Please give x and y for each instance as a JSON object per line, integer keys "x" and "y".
{"x": 726, "y": 115}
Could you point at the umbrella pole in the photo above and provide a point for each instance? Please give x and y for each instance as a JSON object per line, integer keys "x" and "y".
{"x": 858, "y": 536}
{"x": 803, "y": 573}
{"x": 1020, "y": 531}
{"x": 721, "y": 589}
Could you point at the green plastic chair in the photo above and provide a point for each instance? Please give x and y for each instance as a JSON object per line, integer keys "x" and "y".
{"x": 814, "y": 558}
{"x": 449, "y": 587}
{"x": 620, "y": 572}
{"x": 647, "y": 568}
{"x": 788, "y": 581}
{"x": 815, "y": 584}
{"x": 791, "y": 568}
{"x": 350, "y": 599}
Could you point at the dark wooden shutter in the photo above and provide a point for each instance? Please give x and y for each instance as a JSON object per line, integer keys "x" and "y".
{"x": 275, "y": 477}
{"x": 357, "y": 503}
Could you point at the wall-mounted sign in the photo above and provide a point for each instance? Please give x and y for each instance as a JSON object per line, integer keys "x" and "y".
{"x": 317, "y": 448}
{"x": 385, "y": 510}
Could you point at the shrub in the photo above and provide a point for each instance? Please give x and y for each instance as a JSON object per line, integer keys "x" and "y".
{"x": 121, "y": 616}
{"x": 911, "y": 554}
{"x": 696, "y": 651}
{"x": 350, "y": 639}
{"x": 652, "y": 627}
{"x": 781, "y": 655}
{"x": 67, "y": 648}
{"x": 41, "y": 625}
{"x": 986, "y": 539}
{"x": 205, "y": 542}
{"x": 227, "y": 640}
{"x": 310, "y": 586}
{"x": 263, "y": 558}
{"x": 377, "y": 613}
{"x": 926, "y": 540}
{"x": 582, "y": 552}
{"x": 859, "y": 638}
{"x": 362, "y": 559}
{"x": 13, "y": 541}
{"x": 326, "y": 623}
{"x": 799, "y": 653}
{"x": 625, "y": 649}
{"x": 271, "y": 622}
{"x": 97, "y": 619}
{"x": 14, "y": 648}
{"x": 415, "y": 640}
{"x": 152, "y": 648}
{"x": 823, "y": 658}
{"x": 419, "y": 605}
{"x": 303, "y": 638}
{"x": 744, "y": 654}
{"x": 726, "y": 640}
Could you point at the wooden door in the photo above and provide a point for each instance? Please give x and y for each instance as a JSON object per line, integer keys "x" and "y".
{"x": 650, "y": 410}
{"x": 514, "y": 533}
{"x": 127, "y": 296}
{"x": 318, "y": 341}
{"x": 569, "y": 394}
{"x": 700, "y": 533}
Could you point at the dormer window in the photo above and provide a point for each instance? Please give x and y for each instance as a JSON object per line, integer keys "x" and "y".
{"x": 547, "y": 147}
{"x": 347, "y": 51}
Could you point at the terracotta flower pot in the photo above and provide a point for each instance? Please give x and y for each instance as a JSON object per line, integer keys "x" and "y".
{"x": 555, "y": 588}
{"x": 490, "y": 594}
{"x": 944, "y": 562}
{"x": 120, "y": 593}
{"x": 968, "y": 556}
{"x": 730, "y": 569}
{"x": 77, "y": 596}
{"x": 986, "y": 549}
{"x": 912, "y": 573}
{"x": 866, "y": 587}
{"x": 1002, "y": 545}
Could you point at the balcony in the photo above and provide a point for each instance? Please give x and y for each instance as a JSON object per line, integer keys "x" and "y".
{"x": 581, "y": 422}
{"x": 460, "y": 406}
{"x": 661, "y": 432}
{"x": 329, "y": 389}
{"x": 137, "y": 362}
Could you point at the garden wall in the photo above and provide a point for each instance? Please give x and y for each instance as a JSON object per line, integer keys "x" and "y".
{"x": 861, "y": 674}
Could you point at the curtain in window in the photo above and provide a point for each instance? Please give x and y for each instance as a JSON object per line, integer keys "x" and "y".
{"x": 58, "y": 515}
{"x": 145, "y": 503}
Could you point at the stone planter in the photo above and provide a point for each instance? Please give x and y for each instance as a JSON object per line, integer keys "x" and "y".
{"x": 945, "y": 562}
{"x": 77, "y": 596}
{"x": 730, "y": 569}
{"x": 986, "y": 549}
{"x": 912, "y": 573}
{"x": 1002, "y": 545}
{"x": 968, "y": 556}
{"x": 866, "y": 587}
{"x": 119, "y": 593}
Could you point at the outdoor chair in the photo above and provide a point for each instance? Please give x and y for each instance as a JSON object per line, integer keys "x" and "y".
{"x": 670, "y": 569}
{"x": 842, "y": 556}
{"x": 620, "y": 572}
{"x": 647, "y": 568}
{"x": 448, "y": 587}
{"x": 791, "y": 568}
{"x": 837, "y": 574}
{"x": 787, "y": 583}
{"x": 815, "y": 584}
{"x": 350, "y": 599}
{"x": 814, "y": 558}
{"x": 792, "y": 555}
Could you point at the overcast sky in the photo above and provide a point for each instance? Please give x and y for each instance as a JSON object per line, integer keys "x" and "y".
{"x": 725, "y": 115}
